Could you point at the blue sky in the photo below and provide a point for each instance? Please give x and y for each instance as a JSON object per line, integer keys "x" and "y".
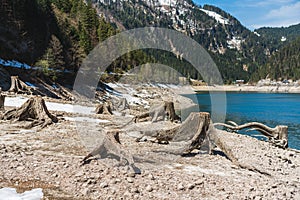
{"x": 258, "y": 13}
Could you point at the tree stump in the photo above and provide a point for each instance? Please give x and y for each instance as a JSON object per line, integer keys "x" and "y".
{"x": 190, "y": 135}
{"x": 18, "y": 86}
{"x": 111, "y": 147}
{"x": 34, "y": 109}
{"x": 2, "y": 99}
{"x": 105, "y": 109}
{"x": 170, "y": 110}
{"x": 122, "y": 104}
{"x": 159, "y": 112}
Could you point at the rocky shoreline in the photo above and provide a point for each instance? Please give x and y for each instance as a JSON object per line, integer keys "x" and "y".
{"x": 51, "y": 159}
{"x": 248, "y": 88}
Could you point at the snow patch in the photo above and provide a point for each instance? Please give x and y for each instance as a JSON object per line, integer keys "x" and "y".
{"x": 235, "y": 43}
{"x": 11, "y": 194}
{"x": 219, "y": 18}
{"x": 167, "y": 2}
{"x": 283, "y": 39}
{"x": 256, "y": 33}
{"x": 69, "y": 108}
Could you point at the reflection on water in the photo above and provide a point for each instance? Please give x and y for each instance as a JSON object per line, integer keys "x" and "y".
{"x": 270, "y": 109}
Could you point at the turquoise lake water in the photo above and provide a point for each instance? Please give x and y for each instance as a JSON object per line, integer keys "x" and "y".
{"x": 271, "y": 109}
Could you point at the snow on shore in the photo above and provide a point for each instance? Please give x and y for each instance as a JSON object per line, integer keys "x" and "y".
{"x": 11, "y": 194}
{"x": 70, "y": 108}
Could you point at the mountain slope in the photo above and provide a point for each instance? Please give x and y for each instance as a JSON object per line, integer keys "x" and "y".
{"x": 236, "y": 50}
{"x": 278, "y": 37}
{"x": 54, "y": 35}
{"x": 284, "y": 64}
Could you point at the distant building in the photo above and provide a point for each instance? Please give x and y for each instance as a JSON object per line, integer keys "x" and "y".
{"x": 197, "y": 82}
{"x": 239, "y": 81}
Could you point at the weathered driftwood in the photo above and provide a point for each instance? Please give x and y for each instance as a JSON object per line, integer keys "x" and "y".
{"x": 2, "y": 100}
{"x": 18, "y": 86}
{"x": 35, "y": 110}
{"x": 111, "y": 148}
{"x": 105, "y": 109}
{"x": 159, "y": 112}
{"x": 277, "y": 136}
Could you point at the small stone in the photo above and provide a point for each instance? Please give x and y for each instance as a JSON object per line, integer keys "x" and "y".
{"x": 274, "y": 186}
{"x": 103, "y": 185}
{"x": 85, "y": 191}
{"x": 190, "y": 186}
{"x": 199, "y": 182}
{"x": 89, "y": 181}
{"x": 149, "y": 188}
{"x": 134, "y": 190}
{"x": 127, "y": 194}
{"x": 79, "y": 174}
{"x": 20, "y": 168}
{"x": 180, "y": 186}
{"x": 131, "y": 174}
{"x": 130, "y": 180}
{"x": 151, "y": 177}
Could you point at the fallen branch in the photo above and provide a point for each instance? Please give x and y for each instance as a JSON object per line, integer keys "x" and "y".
{"x": 277, "y": 136}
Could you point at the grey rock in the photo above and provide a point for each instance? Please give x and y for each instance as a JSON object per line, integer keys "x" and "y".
{"x": 149, "y": 188}
{"x": 180, "y": 186}
{"x": 103, "y": 185}
{"x": 130, "y": 180}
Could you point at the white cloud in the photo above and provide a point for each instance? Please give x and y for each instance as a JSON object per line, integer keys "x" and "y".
{"x": 284, "y": 16}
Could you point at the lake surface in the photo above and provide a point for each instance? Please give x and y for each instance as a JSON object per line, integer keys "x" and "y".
{"x": 271, "y": 109}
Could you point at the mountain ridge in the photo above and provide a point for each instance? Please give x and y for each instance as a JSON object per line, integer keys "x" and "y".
{"x": 68, "y": 30}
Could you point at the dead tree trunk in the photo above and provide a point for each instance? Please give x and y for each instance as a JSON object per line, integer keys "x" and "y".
{"x": 18, "y": 86}
{"x": 104, "y": 109}
{"x": 34, "y": 109}
{"x": 2, "y": 99}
